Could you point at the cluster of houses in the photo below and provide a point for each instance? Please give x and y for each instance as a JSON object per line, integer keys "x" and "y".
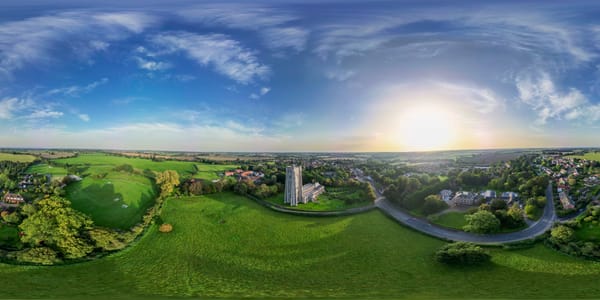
{"x": 568, "y": 167}
{"x": 11, "y": 200}
{"x": 466, "y": 198}
{"x": 244, "y": 175}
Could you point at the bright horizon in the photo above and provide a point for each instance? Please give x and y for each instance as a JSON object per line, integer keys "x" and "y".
{"x": 299, "y": 77}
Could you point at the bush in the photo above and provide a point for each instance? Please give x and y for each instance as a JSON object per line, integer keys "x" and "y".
{"x": 165, "y": 228}
{"x": 482, "y": 221}
{"x": 462, "y": 253}
{"x": 40, "y": 255}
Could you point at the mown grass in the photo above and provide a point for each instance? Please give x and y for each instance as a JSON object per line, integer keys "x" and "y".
{"x": 16, "y": 157}
{"x": 47, "y": 169}
{"x": 212, "y": 172}
{"x": 452, "y": 219}
{"x": 224, "y": 245}
{"x": 103, "y": 199}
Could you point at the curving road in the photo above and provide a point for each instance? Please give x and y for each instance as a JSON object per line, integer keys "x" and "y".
{"x": 536, "y": 229}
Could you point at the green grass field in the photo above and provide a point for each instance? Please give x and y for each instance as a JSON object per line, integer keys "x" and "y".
{"x": 452, "y": 219}
{"x": 588, "y": 232}
{"x": 589, "y": 156}
{"x": 225, "y": 245}
{"x": 16, "y": 157}
{"x": 211, "y": 172}
{"x": 184, "y": 168}
{"x": 103, "y": 199}
{"x": 330, "y": 200}
{"x": 47, "y": 169}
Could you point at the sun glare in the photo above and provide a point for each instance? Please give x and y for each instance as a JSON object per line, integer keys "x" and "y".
{"x": 425, "y": 128}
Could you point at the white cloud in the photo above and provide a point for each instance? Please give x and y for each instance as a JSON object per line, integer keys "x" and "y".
{"x": 84, "y": 117}
{"x": 482, "y": 100}
{"x": 339, "y": 74}
{"x": 36, "y": 40}
{"x": 539, "y": 92}
{"x": 269, "y": 22}
{"x": 44, "y": 114}
{"x": 155, "y": 136}
{"x": 151, "y": 65}
{"x": 9, "y": 106}
{"x": 225, "y": 55}
{"x": 76, "y": 90}
{"x": 263, "y": 91}
{"x": 286, "y": 37}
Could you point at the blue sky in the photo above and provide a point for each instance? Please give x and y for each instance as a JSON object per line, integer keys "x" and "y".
{"x": 291, "y": 76}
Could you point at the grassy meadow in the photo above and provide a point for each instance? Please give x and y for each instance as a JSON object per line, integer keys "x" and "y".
{"x": 16, "y": 157}
{"x": 184, "y": 168}
{"x": 47, "y": 169}
{"x": 452, "y": 219}
{"x": 224, "y": 245}
{"x": 589, "y": 156}
{"x": 211, "y": 172}
{"x": 118, "y": 200}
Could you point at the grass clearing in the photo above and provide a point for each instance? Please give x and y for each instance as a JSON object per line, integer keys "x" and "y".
{"x": 452, "y": 219}
{"x": 47, "y": 169}
{"x": 588, "y": 232}
{"x": 16, "y": 157}
{"x": 119, "y": 200}
{"x": 224, "y": 245}
{"x": 589, "y": 156}
{"x": 211, "y": 172}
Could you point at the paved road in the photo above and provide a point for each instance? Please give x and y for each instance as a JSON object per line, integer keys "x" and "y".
{"x": 535, "y": 229}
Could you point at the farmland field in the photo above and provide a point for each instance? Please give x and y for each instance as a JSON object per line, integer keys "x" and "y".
{"x": 225, "y": 245}
{"x": 16, "y": 157}
{"x": 118, "y": 200}
{"x": 184, "y": 168}
{"x": 589, "y": 156}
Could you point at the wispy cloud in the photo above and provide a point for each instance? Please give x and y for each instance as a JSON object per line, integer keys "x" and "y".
{"x": 271, "y": 23}
{"x": 36, "y": 40}
{"x": 84, "y": 117}
{"x": 263, "y": 91}
{"x": 9, "y": 106}
{"x": 151, "y": 65}
{"x": 76, "y": 90}
{"x": 225, "y": 55}
{"x": 540, "y": 92}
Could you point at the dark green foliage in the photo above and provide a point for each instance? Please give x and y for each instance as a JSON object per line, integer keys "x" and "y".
{"x": 498, "y": 204}
{"x": 107, "y": 239}
{"x": 462, "y": 253}
{"x": 433, "y": 204}
{"x": 38, "y": 255}
{"x": 124, "y": 168}
{"x": 57, "y": 225}
{"x": 482, "y": 222}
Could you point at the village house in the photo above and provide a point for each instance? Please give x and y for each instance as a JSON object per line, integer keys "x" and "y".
{"x": 464, "y": 198}
{"x": 446, "y": 195}
{"x": 565, "y": 201}
{"x": 11, "y": 199}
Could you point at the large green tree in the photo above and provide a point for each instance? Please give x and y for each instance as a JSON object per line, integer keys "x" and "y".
{"x": 55, "y": 224}
{"x": 167, "y": 181}
{"x": 482, "y": 221}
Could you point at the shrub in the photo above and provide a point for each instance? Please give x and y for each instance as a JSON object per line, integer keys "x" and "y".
{"x": 40, "y": 255}
{"x": 165, "y": 228}
{"x": 462, "y": 253}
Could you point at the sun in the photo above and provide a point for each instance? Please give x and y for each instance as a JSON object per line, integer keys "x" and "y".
{"x": 426, "y": 127}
